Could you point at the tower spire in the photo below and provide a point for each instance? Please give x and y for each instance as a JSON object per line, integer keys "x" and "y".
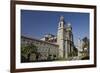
{"x": 61, "y": 22}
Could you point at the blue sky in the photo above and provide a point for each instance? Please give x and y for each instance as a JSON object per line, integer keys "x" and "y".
{"x": 38, "y": 23}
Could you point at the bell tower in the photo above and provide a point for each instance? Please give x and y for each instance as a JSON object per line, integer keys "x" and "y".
{"x": 60, "y": 36}
{"x": 65, "y": 39}
{"x": 69, "y": 40}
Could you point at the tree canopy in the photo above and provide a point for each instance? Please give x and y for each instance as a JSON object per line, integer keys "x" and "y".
{"x": 26, "y": 50}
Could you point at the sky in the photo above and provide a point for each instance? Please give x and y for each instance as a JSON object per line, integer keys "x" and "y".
{"x": 38, "y": 23}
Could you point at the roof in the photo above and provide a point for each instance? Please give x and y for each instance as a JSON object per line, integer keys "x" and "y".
{"x": 38, "y": 40}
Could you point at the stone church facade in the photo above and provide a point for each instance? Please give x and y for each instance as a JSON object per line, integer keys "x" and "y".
{"x": 65, "y": 39}
{"x": 54, "y": 47}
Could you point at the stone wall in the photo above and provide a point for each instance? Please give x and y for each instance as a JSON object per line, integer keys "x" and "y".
{"x": 46, "y": 50}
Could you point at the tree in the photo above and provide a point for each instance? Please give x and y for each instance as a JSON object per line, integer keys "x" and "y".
{"x": 85, "y": 43}
{"x": 26, "y": 51}
{"x": 85, "y": 47}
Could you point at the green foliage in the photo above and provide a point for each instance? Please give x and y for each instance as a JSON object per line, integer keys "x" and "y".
{"x": 86, "y": 42}
{"x": 26, "y": 50}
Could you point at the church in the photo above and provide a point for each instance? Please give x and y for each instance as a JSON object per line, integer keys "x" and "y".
{"x": 52, "y": 47}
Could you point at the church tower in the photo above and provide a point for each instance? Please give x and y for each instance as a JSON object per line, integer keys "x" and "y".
{"x": 60, "y": 36}
{"x": 65, "y": 39}
{"x": 69, "y": 40}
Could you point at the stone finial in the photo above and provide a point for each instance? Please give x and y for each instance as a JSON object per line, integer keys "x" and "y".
{"x": 61, "y": 18}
